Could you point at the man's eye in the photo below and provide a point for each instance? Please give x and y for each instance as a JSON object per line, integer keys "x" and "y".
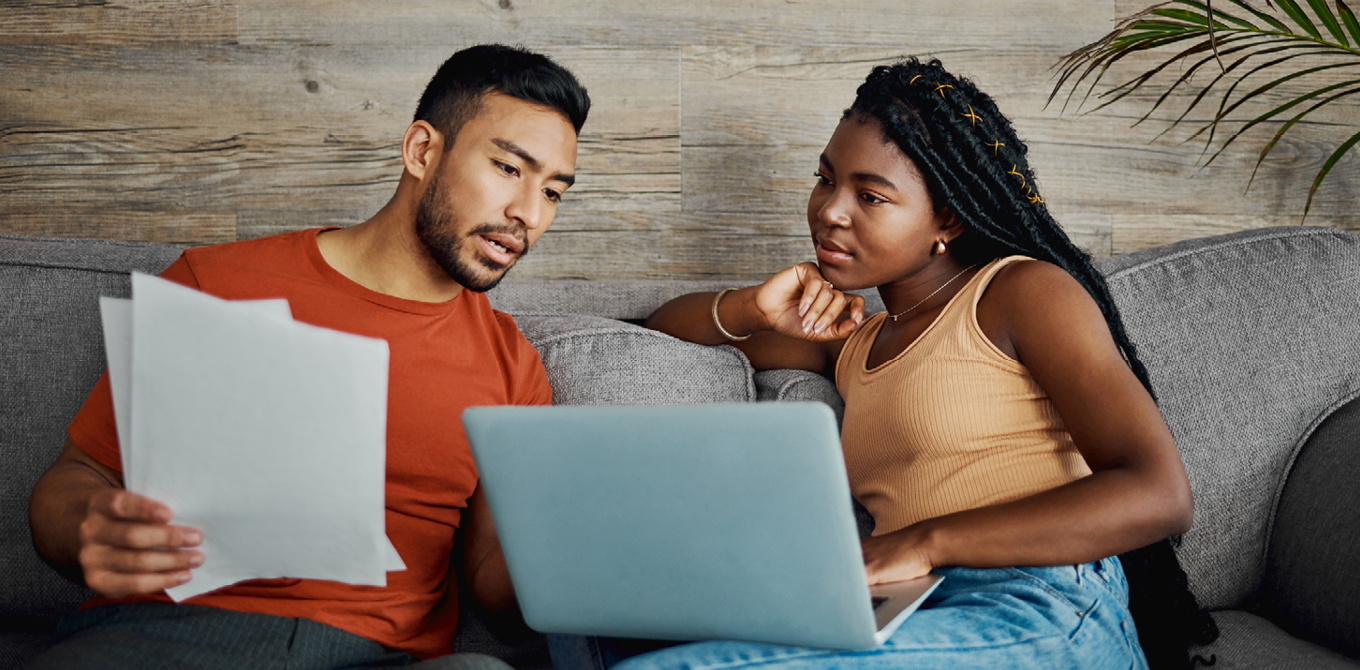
{"x": 822, "y": 179}
{"x": 553, "y": 196}
{"x": 507, "y": 168}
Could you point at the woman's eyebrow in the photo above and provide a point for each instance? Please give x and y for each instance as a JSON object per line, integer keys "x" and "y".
{"x": 871, "y": 177}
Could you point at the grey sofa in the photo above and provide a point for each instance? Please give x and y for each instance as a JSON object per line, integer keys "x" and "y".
{"x": 1252, "y": 340}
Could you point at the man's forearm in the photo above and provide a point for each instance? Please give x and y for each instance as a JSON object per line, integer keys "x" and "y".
{"x": 60, "y": 501}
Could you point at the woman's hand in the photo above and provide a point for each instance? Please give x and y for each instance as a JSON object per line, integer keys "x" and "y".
{"x": 799, "y": 303}
{"x": 897, "y": 556}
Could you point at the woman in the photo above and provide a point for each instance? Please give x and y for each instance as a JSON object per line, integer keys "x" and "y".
{"x": 997, "y": 417}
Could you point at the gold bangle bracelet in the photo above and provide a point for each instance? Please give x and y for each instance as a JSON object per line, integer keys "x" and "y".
{"x": 718, "y": 323}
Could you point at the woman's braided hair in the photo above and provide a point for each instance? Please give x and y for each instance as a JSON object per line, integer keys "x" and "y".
{"x": 974, "y": 164}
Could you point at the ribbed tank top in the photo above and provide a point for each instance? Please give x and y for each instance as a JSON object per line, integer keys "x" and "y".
{"x": 949, "y": 424}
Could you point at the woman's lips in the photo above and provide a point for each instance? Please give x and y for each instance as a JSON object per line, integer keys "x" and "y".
{"x": 830, "y": 252}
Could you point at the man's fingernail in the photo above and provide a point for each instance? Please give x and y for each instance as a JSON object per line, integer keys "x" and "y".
{"x": 184, "y": 578}
{"x": 196, "y": 560}
{"x": 193, "y": 537}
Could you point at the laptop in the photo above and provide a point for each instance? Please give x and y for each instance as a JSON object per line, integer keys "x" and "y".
{"x": 691, "y": 522}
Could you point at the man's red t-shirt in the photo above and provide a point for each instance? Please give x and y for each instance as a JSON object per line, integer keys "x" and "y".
{"x": 444, "y": 357}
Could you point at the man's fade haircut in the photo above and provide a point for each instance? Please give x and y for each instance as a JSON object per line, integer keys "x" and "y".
{"x": 456, "y": 92}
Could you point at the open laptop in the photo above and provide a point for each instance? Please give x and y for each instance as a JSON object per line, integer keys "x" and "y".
{"x": 693, "y": 522}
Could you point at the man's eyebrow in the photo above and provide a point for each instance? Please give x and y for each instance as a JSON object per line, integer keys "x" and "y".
{"x": 527, "y": 157}
{"x": 870, "y": 177}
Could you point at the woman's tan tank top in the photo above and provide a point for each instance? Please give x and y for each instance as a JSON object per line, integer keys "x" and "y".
{"x": 949, "y": 424}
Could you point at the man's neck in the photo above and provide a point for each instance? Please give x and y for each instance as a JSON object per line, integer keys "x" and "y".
{"x": 384, "y": 255}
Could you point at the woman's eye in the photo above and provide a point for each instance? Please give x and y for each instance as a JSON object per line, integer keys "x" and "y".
{"x": 822, "y": 179}
{"x": 870, "y": 198}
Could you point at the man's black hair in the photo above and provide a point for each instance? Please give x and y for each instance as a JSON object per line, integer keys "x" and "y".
{"x": 974, "y": 164}
{"x": 455, "y": 93}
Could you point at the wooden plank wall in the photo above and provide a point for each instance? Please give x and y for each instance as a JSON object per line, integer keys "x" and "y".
{"x": 204, "y": 121}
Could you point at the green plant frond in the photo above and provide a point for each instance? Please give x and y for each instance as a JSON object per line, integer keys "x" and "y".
{"x": 1324, "y": 14}
{"x": 1327, "y": 167}
{"x": 1290, "y": 124}
{"x": 1301, "y": 50}
{"x": 1210, "y": 86}
{"x": 1272, "y": 21}
{"x": 1348, "y": 18}
{"x": 1222, "y": 15}
{"x": 1274, "y": 112}
{"x": 1190, "y": 71}
{"x": 1249, "y": 45}
{"x": 1295, "y": 13}
{"x": 1101, "y": 61}
{"x": 1187, "y": 17}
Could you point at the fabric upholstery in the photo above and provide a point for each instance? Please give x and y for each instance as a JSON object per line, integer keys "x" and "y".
{"x": 52, "y": 355}
{"x": 597, "y": 361}
{"x": 1249, "y": 642}
{"x": 1248, "y": 338}
{"x": 1311, "y": 586}
{"x": 620, "y": 299}
{"x": 799, "y": 385}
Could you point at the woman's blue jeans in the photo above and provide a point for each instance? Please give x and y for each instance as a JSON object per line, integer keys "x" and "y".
{"x": 1060, "y": 617}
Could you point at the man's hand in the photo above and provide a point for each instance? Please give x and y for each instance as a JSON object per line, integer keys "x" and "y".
{"x": 128, "y": 547}
{"x": 93, "y": 531}
{"x": 799, "y": 303}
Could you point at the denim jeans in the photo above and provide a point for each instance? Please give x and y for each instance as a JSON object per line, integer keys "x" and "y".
{"x": 1059, "y": 617}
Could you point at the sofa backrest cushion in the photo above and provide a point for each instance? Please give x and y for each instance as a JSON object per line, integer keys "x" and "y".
{"x": 593, "y": 360}
{"x": 1312, "y": 588}
{"x": 1249, "y": 338}
{"x": 51, "y": 357}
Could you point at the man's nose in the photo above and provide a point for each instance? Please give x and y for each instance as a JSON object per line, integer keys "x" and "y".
{"x": 529, "y": 207}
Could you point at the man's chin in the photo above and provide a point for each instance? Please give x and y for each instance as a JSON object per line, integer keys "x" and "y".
{"x": 484, "y": 279}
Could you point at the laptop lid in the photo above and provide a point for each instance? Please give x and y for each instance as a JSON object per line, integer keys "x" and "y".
{"x": 695, "y": 522}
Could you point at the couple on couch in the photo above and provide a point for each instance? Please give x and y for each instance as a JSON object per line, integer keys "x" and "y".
{"x": 999, "y": 425}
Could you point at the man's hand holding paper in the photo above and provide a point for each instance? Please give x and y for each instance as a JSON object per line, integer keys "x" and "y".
{"x": 266, "y": 434}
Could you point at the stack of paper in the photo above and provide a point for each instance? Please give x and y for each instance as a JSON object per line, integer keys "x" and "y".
{"x": 266, "y": 434}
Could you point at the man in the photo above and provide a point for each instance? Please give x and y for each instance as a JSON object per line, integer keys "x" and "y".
{"x": 487, "y": 159}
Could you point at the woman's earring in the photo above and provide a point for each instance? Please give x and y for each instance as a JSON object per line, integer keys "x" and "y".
{"x": 939, "y": 248}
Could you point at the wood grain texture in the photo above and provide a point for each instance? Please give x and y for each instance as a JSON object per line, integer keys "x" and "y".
{"x": 662, "y": 23}
{"x": 117, "y": 22}
{"x": 204, "y": 121}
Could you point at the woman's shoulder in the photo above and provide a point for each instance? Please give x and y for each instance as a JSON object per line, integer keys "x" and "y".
{"x": 1022, "y": 280}
{"x": 1033, "y": 297}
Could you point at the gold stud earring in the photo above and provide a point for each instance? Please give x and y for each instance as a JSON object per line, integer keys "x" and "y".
{"x": 939, "y": 248}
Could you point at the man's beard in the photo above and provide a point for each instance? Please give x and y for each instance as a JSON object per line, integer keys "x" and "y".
{"x": 435, "y": 228}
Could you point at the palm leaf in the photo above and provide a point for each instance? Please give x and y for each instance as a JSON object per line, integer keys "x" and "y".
{"x": 1247, "y": 43}
{"x": 1327, "y": 167}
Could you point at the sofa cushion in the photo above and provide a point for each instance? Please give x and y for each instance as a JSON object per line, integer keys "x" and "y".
{"x": 1312, "y": 589}
{"x": 52, "y": 355}
{"x": 1248, "y": 339}
{"x": 796, "y": 385}
{"x": 1249, "y": 642}
{"x": 597, "y": 361}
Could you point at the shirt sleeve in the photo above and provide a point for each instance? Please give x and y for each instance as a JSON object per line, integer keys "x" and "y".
{"x": 94, "y": 429}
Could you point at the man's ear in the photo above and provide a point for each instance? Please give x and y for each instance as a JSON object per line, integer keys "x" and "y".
{"x": 421, "y": 148}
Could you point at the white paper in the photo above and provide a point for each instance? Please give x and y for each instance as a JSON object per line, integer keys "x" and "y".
{"x": 116, "y": 314}
{"x": 266, "y": 434}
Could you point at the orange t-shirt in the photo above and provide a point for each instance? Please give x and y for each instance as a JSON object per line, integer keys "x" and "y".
{"x": 444, "y": 357}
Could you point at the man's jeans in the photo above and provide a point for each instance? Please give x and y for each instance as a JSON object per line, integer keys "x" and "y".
{"x": 1062, "y": 617}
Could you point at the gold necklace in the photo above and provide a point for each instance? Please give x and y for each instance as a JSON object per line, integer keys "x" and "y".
{"x": 932, "y": 294}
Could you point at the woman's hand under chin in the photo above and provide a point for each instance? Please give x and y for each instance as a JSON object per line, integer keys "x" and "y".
{"x": 897, "y": 556}
{"x": 799, "y": 302}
